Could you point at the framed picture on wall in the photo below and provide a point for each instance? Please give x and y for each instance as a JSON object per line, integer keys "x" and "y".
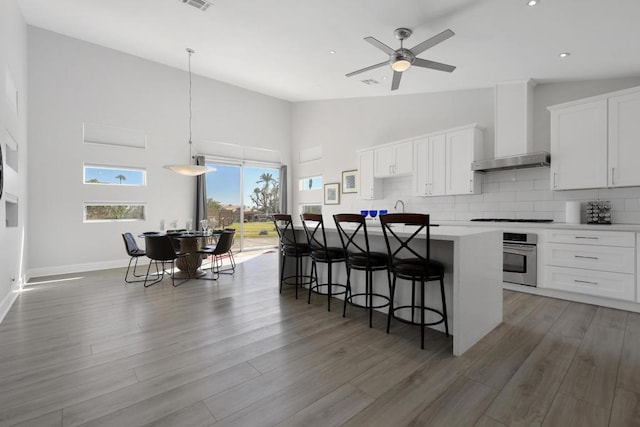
{"x": 332, "y": 194}
{"x": 349, "y": 181}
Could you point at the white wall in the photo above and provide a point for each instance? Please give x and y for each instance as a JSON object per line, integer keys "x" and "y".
{"x": 13, "y": 58}
{"x": 73, "y": 82}
{"x": 341, "y": 127}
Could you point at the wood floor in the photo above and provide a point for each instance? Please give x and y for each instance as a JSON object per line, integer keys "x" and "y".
{"x": 87, "y": 350}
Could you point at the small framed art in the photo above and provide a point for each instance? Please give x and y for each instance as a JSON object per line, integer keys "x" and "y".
{"x": 350, "y": 181}
{"x": 332, "y": 194}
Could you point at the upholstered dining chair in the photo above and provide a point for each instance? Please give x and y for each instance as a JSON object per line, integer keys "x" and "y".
{"x": 218, "y": 252}
{"x": 134, "y": 253}
{"x": 160, "y": 249}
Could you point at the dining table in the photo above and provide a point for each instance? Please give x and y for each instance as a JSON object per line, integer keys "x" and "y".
{"x": 190, "y": 242}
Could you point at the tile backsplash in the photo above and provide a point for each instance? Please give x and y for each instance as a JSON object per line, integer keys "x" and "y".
{"x": 522, "y": 193}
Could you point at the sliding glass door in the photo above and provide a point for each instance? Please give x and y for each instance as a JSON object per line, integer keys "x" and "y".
{"x": 243, "y": 197}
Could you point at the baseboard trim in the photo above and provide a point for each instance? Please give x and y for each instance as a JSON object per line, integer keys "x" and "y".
{"x": 77, "y": 268}
{"x": 8, "y": 300}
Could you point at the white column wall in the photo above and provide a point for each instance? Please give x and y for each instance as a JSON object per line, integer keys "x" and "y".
{"x": 13, "y": 58}
{"x": 74, "y": 82}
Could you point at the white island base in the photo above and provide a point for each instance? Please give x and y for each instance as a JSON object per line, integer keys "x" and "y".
{"x": 473, "y": 279}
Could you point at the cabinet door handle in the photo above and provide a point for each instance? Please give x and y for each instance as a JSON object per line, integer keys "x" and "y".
{"x": 426, "y": 191}
{"x": 587, "y": 237}
{"x": 613, "y": 170}
{"x": 394, "y": 169}
{"x": 470, "y": 186}
{"x": 585, "y": 257}
{"x": 555, "y": 174}
{"x": 585, "y": 281}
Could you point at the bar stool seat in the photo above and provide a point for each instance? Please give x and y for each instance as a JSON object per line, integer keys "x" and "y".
{"x": 291, "y": 248}
{"x": 411, "y": 260}
{"x": 321, "y": 253}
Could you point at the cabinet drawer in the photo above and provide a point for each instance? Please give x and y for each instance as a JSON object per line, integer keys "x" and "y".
{"x": 597, "y": 283}
{"x": 589, "y": 237}
{"x": 606, "y": 258}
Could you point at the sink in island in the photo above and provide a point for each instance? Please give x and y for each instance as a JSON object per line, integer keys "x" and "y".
{"x": 473, "y": 277}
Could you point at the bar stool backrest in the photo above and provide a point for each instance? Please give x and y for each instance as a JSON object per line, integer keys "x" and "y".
{"x": 314, "y": 229}
{"x": 284, "y": 227}
{"x": 416, "y": 245}
{"x": 354, "y": 238}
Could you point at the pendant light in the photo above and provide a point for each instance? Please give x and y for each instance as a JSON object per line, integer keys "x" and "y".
{"x": 190, "y": 169}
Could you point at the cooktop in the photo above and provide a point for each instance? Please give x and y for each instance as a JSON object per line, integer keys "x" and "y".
{"x": 511, "y": 220}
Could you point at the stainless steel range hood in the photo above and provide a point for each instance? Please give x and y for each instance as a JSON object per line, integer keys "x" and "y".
{"x": 521, "y": 161}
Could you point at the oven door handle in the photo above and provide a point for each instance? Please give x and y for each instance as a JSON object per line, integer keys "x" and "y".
{"x": 521, "y": 248}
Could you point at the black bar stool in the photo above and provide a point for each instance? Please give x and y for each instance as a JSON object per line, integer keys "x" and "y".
{"x": 291, "y": 248}
{"x": 352, "y": 229}
{"x": 411, "y": 260}
{"x": 321, "y": 253}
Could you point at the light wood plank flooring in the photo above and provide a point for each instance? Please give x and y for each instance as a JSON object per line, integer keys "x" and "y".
{"x": 84, "y": 349}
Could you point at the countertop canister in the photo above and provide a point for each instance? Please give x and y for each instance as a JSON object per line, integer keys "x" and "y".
{"x": 572, "y": 212}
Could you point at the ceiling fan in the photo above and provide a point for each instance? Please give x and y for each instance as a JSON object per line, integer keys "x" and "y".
{"x": 401, "y": 59}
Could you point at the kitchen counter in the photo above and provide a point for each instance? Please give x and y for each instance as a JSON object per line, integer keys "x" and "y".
{"x": 542, "y": 225}
{"x": 473, "y": 278}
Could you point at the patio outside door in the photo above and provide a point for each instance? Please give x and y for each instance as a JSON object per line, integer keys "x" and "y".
{"x": 244, "y": 197}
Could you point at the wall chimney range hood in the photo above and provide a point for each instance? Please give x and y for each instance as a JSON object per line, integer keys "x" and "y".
{"x": 531, "y": 160}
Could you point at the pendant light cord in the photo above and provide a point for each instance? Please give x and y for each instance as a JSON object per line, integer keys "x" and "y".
{"x": 190, "y": 51}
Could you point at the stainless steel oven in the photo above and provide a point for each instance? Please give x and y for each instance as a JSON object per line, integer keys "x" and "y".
{"x": 520, "y": 258}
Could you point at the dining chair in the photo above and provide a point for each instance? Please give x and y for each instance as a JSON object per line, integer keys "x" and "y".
{"x": 134, "y": 253}
{"x": 160, "y": 249}
{"x": 218, "y": 252}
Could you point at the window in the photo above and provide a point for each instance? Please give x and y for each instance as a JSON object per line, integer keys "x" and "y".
{"x": 103, "y": 212}
{"x": 113, "y": 175}
{"x": 310, "y": 183}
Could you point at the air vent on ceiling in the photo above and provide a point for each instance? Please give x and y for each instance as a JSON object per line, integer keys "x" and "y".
{"x": 370, "y": 82}
{"x": 200, "y": 4}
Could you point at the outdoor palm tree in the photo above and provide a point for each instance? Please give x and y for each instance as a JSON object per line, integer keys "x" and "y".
{"x": 121, "y": 178}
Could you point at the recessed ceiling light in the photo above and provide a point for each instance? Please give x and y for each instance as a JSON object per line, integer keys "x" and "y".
{"x": 532, "y": 2}
{"x": 564, "y": 54}
{"x": 332, "y": 52}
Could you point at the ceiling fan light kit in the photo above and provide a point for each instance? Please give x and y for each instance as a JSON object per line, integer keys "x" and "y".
{"x": 190, "y": 169}
{"x": 402, "y": 59}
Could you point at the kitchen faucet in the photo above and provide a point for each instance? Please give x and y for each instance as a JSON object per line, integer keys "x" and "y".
{"x": 396, "y": 205}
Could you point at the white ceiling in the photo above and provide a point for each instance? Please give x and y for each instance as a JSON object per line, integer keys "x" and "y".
{"x": 282, "y": 47}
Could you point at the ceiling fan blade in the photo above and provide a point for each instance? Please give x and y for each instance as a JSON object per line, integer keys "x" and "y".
{"x": 424, "y": 63}
{"x": 371, "y": 67}
{"x": 439, "y": 38}
{"x": 395, "y": 84}
{"x": 383, "y": 47}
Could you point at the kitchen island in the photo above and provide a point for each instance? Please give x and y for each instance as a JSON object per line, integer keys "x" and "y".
{"x": 472, "y": 257}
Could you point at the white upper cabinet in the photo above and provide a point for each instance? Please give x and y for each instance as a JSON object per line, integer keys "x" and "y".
{"x": 394, "y": 159}
{"x": 443, "y": 162}
{"x": 624, "y": 140}
{"x": 595, "y": 142}
{"x": 430, "y": 174}
{"x": 369, "y": 187}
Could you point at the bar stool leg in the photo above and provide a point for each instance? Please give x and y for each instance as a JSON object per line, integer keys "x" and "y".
{"x": 444, "y": 307}
{"x": 369, "y": 292}
{"x": 391, "y": 312}
{"x": 314, "y": 269}
{"x": 422, "y": 314}
{"x": 284, "y": 259}
{"x": 347, "y": 293}
{"x": 330, "y": 285}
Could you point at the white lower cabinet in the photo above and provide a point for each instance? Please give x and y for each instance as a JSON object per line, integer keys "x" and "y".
{"x": 598, "y": 263}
